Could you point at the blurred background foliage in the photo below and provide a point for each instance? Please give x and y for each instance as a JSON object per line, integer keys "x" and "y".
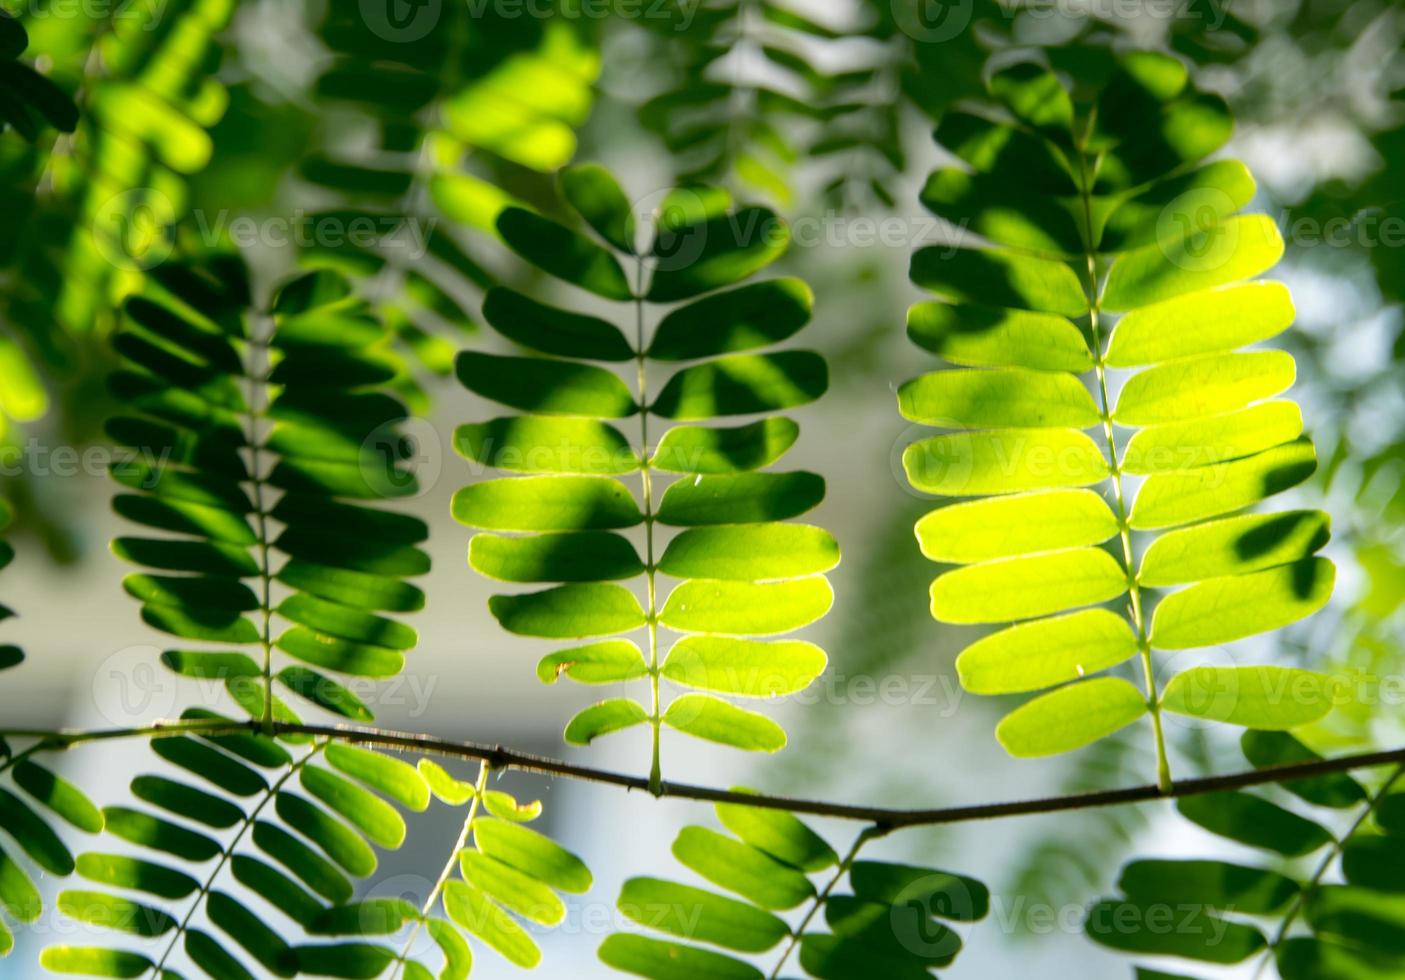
{"x": 426, "y": 118}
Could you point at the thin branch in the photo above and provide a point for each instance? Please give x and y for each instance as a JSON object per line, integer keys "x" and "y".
{"x": 885, "y": 819}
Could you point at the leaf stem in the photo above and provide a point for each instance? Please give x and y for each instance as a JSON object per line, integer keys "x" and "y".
{"x": 647, "y": 481}
{"x": 258, "y": 374}
{"x": 269, "y": 794}
{"x": 799, "y": 932}
{"x": 447, "y": 872}
{"x": 1124, "y": 532}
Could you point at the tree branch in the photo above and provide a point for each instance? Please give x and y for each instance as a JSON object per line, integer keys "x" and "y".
{"x": 885, "y": 819}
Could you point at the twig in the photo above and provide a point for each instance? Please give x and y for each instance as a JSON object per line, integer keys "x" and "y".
{"x": 885, "y": 819}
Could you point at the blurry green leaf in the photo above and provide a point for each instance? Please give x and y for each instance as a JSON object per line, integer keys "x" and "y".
{"x": 1255, "y": 822}
{"x": 751, "y": 316}
{"x": 561, "y": 252}
{"x": 594, "y": 193}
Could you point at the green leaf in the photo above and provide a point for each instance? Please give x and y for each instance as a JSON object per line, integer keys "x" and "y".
{"x": 971, "y": 464}
{"x": 699, "y": 257}
{"x": 91, "y": 962}
{"x": 1070, "y": 717}
{"x": 1201, "y": 323}
{"x": 457, "y": 954}
{"x": 1028, "y": 586}
{"x": 324, "y": 692}
{"x": 656, "y": 959}
{"x": 353, "y": 960}
{"x": 1157, "y": 929}
{"x": 551, "y": 330}
{"x": 186, "y": 801}
{"x": 1234, "y": 887}
{"x": 59, "y": 795}
{"x": 19, "y": 898}
{"x": 707, "y": 717}
{"x": 250, "y": 932}
{"x": 741, "y": 868}
{"x": 699, "y": 915}
{"x": 505, "y": 807}
{"x": 210, "y": 764}
{"x": 546, "y": 503}
{"x": 544, "y": 386}
{"x": 1002, "y": 527}
{"x": 779, "y": 834}
{"x": 743, "y": 498}
{"x": 975, "y": 398}
{"x": 605, "y": 662}
{"x": 159, "y": 835}
{"x": 1374, "y": 862}
{"x": 742, "y": 384}
{"x": 276, "y": 888}
{"x": 1221, "y": 610}
{"x": 1266, "y": 697}
{"x": 390, "y": 777}
{"x": 561, "y": 252}
{"x": 954, "y": 897}
{"x": 999, "y": 279}
{"x": 573, "y": 556}
{"x": 746, "y": 608}
{"x": 1255, "y": 822}
{"x": 212, "y": 956}
{"x": 533, "y": 854}
{"x": 569, "y": 611}
{"x": 597, "y": 197}
{"x": 1195, "y": 387}
{"x": 750, "y": 552}
{"x": 373, "y": 816}
{"x": 1358, "y": 916}
{"x": 1033, "y": 656}
{"x": 1170, "y": 499}
{"x": 987, "y": 336}
{"x": 1305, "y": 958}
{"x": 1238, "y": 248}
{"x": 748, "y": 668}
{"x": 446, "y": 788}
{"x": 134, "y": 874}
{"x": 1264, "y": 749}
{"x": 338, "y": 841}
{"x": 735, "y": 449}
{"x": 1210, "y": 441}
{"x": 512, "y": 889}
{"x": 757, "y": 315}
{"x": 542, "y": 444}
{"x": 604, "y": 718}
{"x": 316, "y": 872}
{"x": 1034, "y": 95}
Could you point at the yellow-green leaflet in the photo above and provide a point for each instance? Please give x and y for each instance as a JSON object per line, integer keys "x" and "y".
{"x": 1201, "y": 323}
{"x": 1070, "y": 717}
{"x": 1027, "y": 586}
{"x": 1263, "y": 697}
{"x": 979, "y": 530}
{"x": 1220, "y": 610}
{"x": 1033, "y": 656}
